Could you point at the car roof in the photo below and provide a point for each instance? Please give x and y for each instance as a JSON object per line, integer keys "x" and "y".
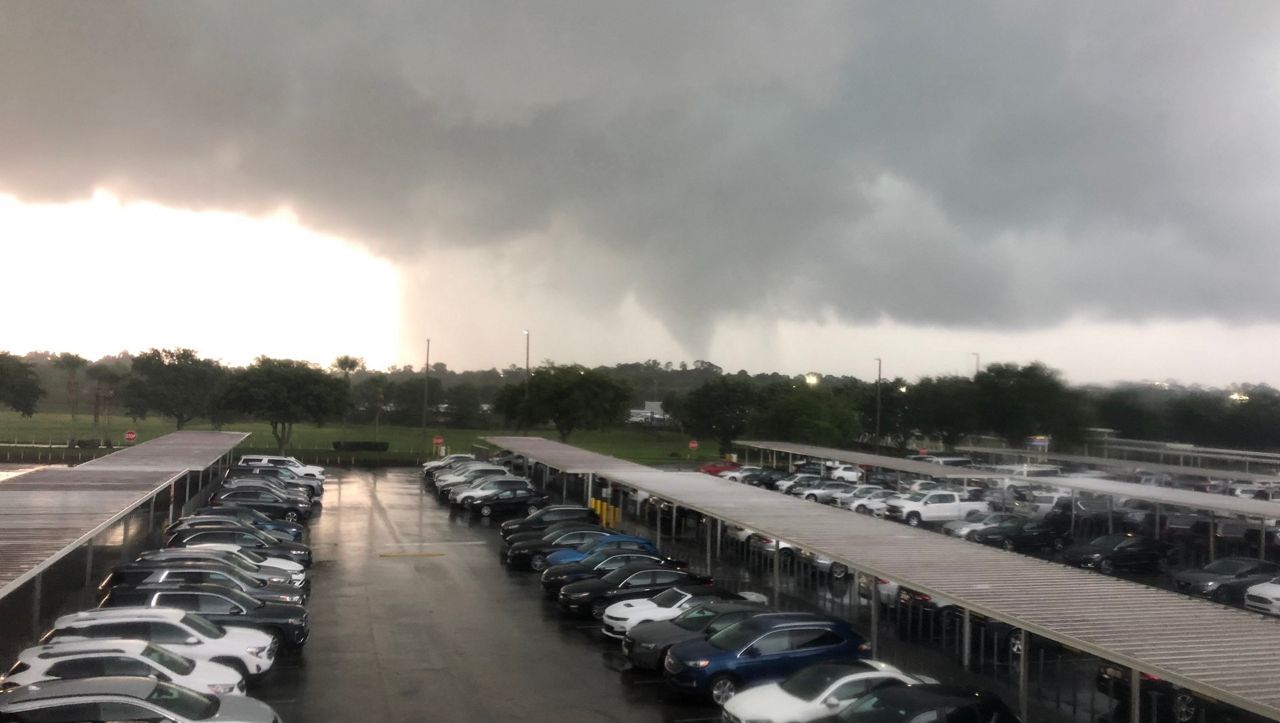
{"x": 721, "y": 607}
{"x": 773, "y": 621}
{"x": 117, "y": 685}
{"x": 162, "y": 564}
{"x": 182, "y": 586}
{"x": 926, "y": 695}
{"x": 74, "y": 648}
{"x": 641, "y": 567}
{"x": 127, "y": 614}
{"x": 619, "y": 536}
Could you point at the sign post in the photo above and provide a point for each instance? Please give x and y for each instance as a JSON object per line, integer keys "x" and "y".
{"x": 693, "y": 447}
{"x": 130, "y": 436}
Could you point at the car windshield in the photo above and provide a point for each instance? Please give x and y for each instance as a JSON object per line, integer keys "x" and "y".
{"x": 695, "y": 620}
{"x": 594, "y": 559}
{"x": 734, "y": 638}
{"x": 203, "y": 626}
{"x": 617, "y": 576}
{"x": 586, "y": 546}
{"x": 865, "y": 491}
{"x": 1227, "y": 566}
{"x": 809, "y": 683}
{"x": 172, "y": 661}
{"x": 918, "y": 496}
{"x": 668, "y": 598}
{"x": 1108, "y": 542}
{"x": 185, "y": 703}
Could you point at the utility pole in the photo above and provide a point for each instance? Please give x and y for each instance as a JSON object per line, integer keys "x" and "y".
{"x": 878, "y": 374}
{"x": 977, "y": 364}
{"x": 426, "y": 389}
{"x": 527, "y": 375}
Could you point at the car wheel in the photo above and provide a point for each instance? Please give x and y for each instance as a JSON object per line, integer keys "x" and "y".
{"x": 1162, "y": 565}
{"x": 861, "y": 508}
{"x": 1060, "y": 544}
{"x": 1184, "y": 708}
{"x": 598, "y": 607}
{"x": 532, "y": 509}
{"x": 811, "y": 498}
{"x": 969, "y": 535}
{"x": 485, "y": 510}
{"x": 1220, "y": 596}
{"x": 291, "y": 516}
{"x": 538, "y": 563}
{"x": 722, "y": 689}
{"x": 838, "y": 570}
{"x": 913, "y": 519}
{"x": 1008, "y": 545}
{"x": 1106, "y": 566}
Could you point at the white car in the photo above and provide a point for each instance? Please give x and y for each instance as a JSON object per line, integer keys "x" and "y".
{"x": 816, "y": 692}
{"x": 446, "y": 461}
{"x": 298, "y": 468}
{"x": 245, "y": 650}
{"x": 120, "y": 656}
{"x": 845, "y": 497}
{"x": 847, "y": 473}
{"x": 874, "y": 503}
{"x": 620, "y": 617}
{"x": 257, "y": 558}
{"x": 736, "y": 475}
{"x": 490, "y": 485}
{"x": 239, "y": 562}
{"x": 974, "y": 521}
{"x": 128, "y": 698}
{"x": 1264, "y": 597}
{"x": 785, "y": 484}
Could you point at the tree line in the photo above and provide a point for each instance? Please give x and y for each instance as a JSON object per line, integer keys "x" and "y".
{"x": 1008, "y": 401}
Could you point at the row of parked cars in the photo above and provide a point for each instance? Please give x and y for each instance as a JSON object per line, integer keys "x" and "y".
{"x": 759, "y": 664}
{"x": 179, "y": 632}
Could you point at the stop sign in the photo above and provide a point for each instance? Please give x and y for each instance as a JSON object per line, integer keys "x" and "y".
{"x": 130, "y": 436}
{"x": 437, "y": 440}
{"x": 693, "y": 444}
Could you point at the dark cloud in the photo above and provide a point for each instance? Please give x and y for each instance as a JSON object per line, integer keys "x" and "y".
{"x": 960, "y": 164}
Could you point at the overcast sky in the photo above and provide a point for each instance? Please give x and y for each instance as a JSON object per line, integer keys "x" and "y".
{"x": 790, "y": 186}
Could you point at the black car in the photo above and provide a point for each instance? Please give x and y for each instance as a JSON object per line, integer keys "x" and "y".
{"x": 573, "y": 526}
{"x": 597, "y": 564}
{"x": 631, "y": 582}
{"x": 1118, "y": 552}
{"x": 253, "y": 518}
{"x": 1023, "y": 534}
{"x": 533, "y": 553}
{"x": 265, "y": 483}
{"x": 646, "y": 644}
{"x": 502, "y": 502}
{"x": 268, "y": 502}
{"x": 546, "y": 517}
{"x": 213, "y": 572}
{"x": 203, "y": 522}
{"x": 309, "y": 486}
{"x": 764, "y": 478}
{"x": 1170, "y": 702}
{"x": 243, "y": 537}
{"x": 1225, "y": 580}
{"x": 926, "y": 702}
{"x": 220, "y": 605}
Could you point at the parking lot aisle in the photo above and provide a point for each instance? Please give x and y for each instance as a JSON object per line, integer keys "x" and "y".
{"x": 413, "y": 619}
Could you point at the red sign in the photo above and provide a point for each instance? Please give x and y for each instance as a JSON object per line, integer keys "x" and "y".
{"x": 437, "y": 440}
{"x": 130, "y": 436}
{"x": 693, "y": 444}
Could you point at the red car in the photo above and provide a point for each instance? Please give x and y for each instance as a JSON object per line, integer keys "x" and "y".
{"x": 714, "y": 468}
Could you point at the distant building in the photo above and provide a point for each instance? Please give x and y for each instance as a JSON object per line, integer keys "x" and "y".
{"x": 651, "y": 414}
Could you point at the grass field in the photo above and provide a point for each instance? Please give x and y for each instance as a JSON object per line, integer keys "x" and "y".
{"x": 632, "y": 443}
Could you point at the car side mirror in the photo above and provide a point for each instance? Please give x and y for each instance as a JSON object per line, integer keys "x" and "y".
{"x": 162, "y": 678}
{"x": 192, "y": 640}
{"x": 832, "y": 702}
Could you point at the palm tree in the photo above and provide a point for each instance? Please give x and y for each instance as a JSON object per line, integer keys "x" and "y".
{"x": 346, "y": 365}
{"x": 71, "y": 364}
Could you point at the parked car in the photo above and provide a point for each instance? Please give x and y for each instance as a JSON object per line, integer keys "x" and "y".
{"x": 234, "y": 558}
{"x": 597, "y": 564}
{"x": 1264, "y": 597}
{"x": 630, "y": 582}
{"x": 278, "y": 562}
{"x": 816, "y": 692}
{"x": 974, "y": 521}
{"x": 219, "y": 605}
{"x": 1226, "y": 579}
{"x": 1164, "y": 701}
{"x": 736, "y": 474}
{"x": 445, "y": 485}
{"x": 621, "y": 617}
{"x": 245, "y": 538}
{"x": 434, "y": 465}
{"x": 646, "y": 643}
{"x": 310, "y": 487}
{"x": 826, "y": 491}
{"x": 265, "y": 482}
{"x": 224, "y": 521}
{"x": 760, "y": 649}
{"x": 566, "y": 526}
{"x": 119, "y": 656}
{"x": 430, "y": 473}
{"x": 912, "y": 703}
{"x": 462, "y": 496}
{"x": 1024, "y": 533}
{"x": 600, "y": 544}
{"x": 847, "y": 497}
{"x": 936, "y": 506}
{"x": 247, "y": 650}
{"x": 718, "y": 466}
{"x": 765, "y": 478}
{"x": 214, "y": 572}
{"x": 873, "y": 503}
{"x": 128, "y": 699}
{"x": 533, "y": 553}
{"x": 268, "y": 502}
{"x": 785, "y": 484}
{"x": 521, "y": 500}
{"x": 546, "y": 517}
{"x": 847, "y": 473}
{"x": 1109, "y": 553}
{"x": 298, "y": 468}
{"x": 253, "y": 518}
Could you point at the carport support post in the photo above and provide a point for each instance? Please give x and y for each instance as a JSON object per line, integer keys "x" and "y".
{"x": 1135, "y": 698}
{"x": 657, "y": 508}
{"x": 1110, "y": 518}
{"x": 1262, "y": 538}
{"x": 708, "y": 534}
{"x": 1073, "y": 514}
{"x": 36, "y": 584}
{"x": 968, "y": 639}
{"x": 591, "y": 478}
{"x": 1024, "y": 675}
{"x": 1213, "y": 534}
{"x": 1157, "y": 521}
{"x": 875, "y": 617}
{"x": 777, "y": 558}
{"x": 88, "y": 562}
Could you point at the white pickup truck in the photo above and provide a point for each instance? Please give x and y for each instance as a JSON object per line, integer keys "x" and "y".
{"x": 933, "y": 506}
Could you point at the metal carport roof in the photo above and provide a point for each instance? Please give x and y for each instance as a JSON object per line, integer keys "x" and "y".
{"x": 1219, "y": 652}
{"x": 1129, "y": 465}
{"x": 898, "y": 464}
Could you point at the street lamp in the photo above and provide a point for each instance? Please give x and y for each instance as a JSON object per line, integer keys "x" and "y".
{"x": 526, "y": 366}
{"x": 812, "y": 379}
{"x": 878, "y": 374}
{"x": 426, "y": 387}
{"x": 1238, "y": 397}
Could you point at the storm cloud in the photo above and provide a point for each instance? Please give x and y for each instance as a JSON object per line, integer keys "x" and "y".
{"x": 968, "y": 165}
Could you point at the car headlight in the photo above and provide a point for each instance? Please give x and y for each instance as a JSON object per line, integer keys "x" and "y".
{"x": 648, "y": 646}
{"x": 579, "y": 596}
{"x": 296, "y": 621}
{"x": 298, "y": 553}
{"x": 1093, "y": 556}
{"x": 697, "y": 663}
{"x": 1211, "y": 585}
{"x": 221, "y": 689}
{"x": 294, "y": 599}
{"x": 260, "y": 652}
{"x": 277, "y": 580}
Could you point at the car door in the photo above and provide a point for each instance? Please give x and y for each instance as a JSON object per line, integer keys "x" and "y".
{"x": 639, "y": 585}
{"x": 765, "y": 659}
{"x": 811, "y": 645}
{"x": 1132, "y": 553}
{"x": 171, "y": 636}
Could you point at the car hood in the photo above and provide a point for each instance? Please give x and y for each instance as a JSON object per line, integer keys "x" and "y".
{"x": 285, "y": 547}
{"x": 585, "y": 586}
{"x": 566, "y": 569}
{"x": 629, "y": 607}
{"x": 1268, "y": 589}
{"x": 564, "y": 557}
{"x": 247, "y": 637}
{"x": 243, "y": 709}
{"x": 528, "y": 536}
{"x": 1199, "y": 576}
{"x": 1084, "y": 551}
{"x": 279, "y": 611}
{"x": 530, "y": 545}
{"x": 662, "y": 633}
{"x": 695, "y": 650}
{"x": 765, "y": 702}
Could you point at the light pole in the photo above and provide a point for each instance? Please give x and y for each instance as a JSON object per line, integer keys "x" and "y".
{"x": 527, "y": 375}
{"x": 977, "y": 363}
{"x": 426, "y": 389}
{"x": 878, "y": 372}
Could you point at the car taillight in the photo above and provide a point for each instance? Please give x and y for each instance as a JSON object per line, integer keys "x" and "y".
{"x": 1148, "y": 676}
{"x": 882, "y": 581}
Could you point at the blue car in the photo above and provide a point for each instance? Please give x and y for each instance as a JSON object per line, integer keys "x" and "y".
{"x": 254, "y": 519}
{"x": 600, "y": 544}
{"x": 759, "y": 650}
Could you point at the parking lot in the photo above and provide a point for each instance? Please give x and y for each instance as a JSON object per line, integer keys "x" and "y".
{"x": 414, "y": 619}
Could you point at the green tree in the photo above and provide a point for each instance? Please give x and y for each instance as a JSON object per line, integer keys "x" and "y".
{"x": 283, "y": 392}
{"x": 106, "y": 381}
{"x": 720, "y": 409}
{"x": 944, "y": 408}
{"x": 71, "y": 364}
{"x": 19, "y": 386}
{"x": 464, "y": 405}
{"x": 345, "y": 365}
{"x": 174, "y": 383}
{"x": 1016, "y": 402}
{"x": 810, "y": 415}
{"x": 569, "y": 397}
